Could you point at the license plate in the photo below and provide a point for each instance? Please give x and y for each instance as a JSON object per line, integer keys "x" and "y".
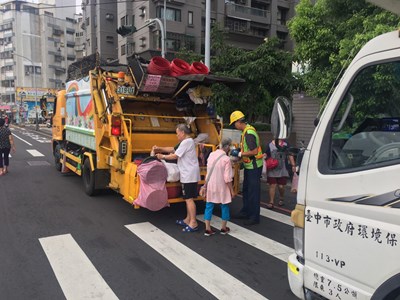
{"x": 126, "y": 90}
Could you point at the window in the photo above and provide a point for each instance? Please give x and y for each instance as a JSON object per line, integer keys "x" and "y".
{"x": 282, "y": 16}
{"x": 142, "y": 12}
{"x": 190, "y": 18}
{"x": 236, "y": 25}
{"x": 87, "y": 22}
{"x": 109, "y": 17}
{"x": 29, "y": 70}
{"x": 130, "y": 48}
{"x": 365, "y": 131}
{"x": 110, "y": 39}
{"x": 123, "y": 21}
{"x": 123, "y": 50}
{"x": 172, "y": 14}
{"x": 175, "y": 41}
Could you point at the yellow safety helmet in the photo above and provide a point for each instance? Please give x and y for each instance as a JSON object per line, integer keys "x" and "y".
{"x": 236, "y": 115}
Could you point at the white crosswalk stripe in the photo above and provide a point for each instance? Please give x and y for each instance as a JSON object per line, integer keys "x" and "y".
{"x": 79, "y": 278}
{"x": 34, "y": 153}
{"x": 76, "y": 275}
{"x": 276, "y": 216}
{"x": 216, "y": 281}
{"x": 256, "y": 240}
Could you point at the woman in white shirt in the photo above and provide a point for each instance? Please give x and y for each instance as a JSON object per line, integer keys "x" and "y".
{"x": 188, "y": 165}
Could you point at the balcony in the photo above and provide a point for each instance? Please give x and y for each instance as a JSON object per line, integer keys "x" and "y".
{"x": 246, "y": 12}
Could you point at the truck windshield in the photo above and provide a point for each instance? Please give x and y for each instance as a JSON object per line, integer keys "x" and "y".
{"x": 365, "y": 130}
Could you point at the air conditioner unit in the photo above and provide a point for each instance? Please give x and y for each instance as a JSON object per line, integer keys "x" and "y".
{"x": 27, "y": 73}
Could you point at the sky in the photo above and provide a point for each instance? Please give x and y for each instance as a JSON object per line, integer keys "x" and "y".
{"x": 77, "y": 2}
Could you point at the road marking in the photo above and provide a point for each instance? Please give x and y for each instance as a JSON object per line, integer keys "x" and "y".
{"x": 256, "y": 240}
{"x": 37, "y": 137}
{"x": 22, "y": 139}
{"x": 34, "y": 153}
{"x": 75, "y": 273}
{"x": 212, "y": 278}
{"x": 276, "y": 216}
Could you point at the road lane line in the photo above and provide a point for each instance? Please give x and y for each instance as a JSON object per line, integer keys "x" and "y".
{"x": 256, "y": 240}
{"x": 34, "y": 153}
{"x": 75, "y": 273}
{"x": 276, "y": 216}
{"x": 22, "y": 139}
{"x": 212, "y": 278}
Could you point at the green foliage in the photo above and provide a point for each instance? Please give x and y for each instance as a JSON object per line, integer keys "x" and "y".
{"x": 267, "y": 71}
{"x": 188, "y": 55}
{"x": 329, "y": 33}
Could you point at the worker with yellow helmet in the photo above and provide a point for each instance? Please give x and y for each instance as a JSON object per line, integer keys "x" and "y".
{"x": 251, "y": 153}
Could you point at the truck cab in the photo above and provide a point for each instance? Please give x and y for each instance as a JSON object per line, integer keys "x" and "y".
{"x": 347, "y": 218}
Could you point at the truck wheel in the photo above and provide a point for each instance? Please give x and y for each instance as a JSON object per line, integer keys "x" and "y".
{"x": 57, "y": 157}
{"x": 88, "y": 179}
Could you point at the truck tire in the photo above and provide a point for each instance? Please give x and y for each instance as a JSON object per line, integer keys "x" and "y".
{"x": 88, "y": 179}
{"x": 57, "y": 157}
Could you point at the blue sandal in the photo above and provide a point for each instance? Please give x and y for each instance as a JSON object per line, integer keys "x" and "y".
{"x": 190, "y": 229}
{"x": 181, "y": 223}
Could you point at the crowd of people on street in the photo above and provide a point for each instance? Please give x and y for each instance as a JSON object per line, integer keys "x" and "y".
{"x": 218, "y": 188}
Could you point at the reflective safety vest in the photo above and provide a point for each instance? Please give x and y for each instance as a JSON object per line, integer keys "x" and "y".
{"x": 248, "y": 161}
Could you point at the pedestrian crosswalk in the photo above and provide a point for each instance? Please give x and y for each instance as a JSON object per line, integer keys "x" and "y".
{"x": 256, "y": 240}
{"x": 215, "y": 280}
{"x": 79, "y": 278}
{"x": 76, "y": 275}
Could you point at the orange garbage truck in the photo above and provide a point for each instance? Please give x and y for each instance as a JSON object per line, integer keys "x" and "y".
{"x": 105, "y": 123}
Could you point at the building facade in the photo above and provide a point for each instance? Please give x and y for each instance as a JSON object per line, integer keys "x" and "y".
{"x": 248, "y": 23}
{"x": 37, "y": 43}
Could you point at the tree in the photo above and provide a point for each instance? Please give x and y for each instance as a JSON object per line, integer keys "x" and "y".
{"x": 267, "y": 71}
{"x": 329, "y": 33}
{"x": 188, "y": 55}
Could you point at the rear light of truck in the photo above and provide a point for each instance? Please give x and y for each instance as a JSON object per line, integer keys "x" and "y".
{"x": 116, "y": 126}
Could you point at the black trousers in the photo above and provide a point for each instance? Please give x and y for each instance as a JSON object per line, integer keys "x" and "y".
{"x": 4, "y": 153}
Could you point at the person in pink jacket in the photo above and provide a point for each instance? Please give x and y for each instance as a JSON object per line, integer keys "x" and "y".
{"x": 219, "y": 186}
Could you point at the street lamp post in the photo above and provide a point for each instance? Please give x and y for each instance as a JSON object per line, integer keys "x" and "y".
{"x": 165, "y": 26}
{"x": 35, "y": 88}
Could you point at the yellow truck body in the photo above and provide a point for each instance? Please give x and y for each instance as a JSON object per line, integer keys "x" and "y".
{"x": 106, "y": 123}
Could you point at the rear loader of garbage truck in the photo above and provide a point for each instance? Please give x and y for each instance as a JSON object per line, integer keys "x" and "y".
{"x": 347, "y": 218}
{"x": 105, "y": 125}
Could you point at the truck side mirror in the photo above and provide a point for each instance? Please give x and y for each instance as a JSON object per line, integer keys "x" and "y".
{"x": 281, "y": 118}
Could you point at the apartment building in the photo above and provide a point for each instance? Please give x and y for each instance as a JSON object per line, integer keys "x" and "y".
{"x": 37, "y": 43}
{"x": 247, "y": 24}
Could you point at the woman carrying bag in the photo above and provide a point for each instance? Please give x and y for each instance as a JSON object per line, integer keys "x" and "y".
{"x": 219, "y": 186}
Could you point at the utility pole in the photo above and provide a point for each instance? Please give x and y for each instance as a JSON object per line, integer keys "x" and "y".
{"x": 207, "y": 34}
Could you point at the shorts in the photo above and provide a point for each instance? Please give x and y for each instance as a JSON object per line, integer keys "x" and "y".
{"x": 190, "y": 190}
{"x": 277, "y": 180}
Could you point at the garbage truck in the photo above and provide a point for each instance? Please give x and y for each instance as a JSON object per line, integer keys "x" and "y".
{"x": 347, "y": 217}
{"x": 106, "y": 122}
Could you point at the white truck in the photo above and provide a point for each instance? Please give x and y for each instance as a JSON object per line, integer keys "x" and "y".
{"x": 347, "y": 218}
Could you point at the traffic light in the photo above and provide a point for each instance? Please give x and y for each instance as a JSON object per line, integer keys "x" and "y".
{"x": 43, "y": 103}
{"x": 126, "y": 30}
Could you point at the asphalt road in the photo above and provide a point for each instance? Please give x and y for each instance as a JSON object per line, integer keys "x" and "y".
{"x": 56, "y": 242}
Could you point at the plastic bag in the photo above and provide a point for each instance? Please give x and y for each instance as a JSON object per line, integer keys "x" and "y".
{"x": 264, "y": 171}
{"x": 271, "y": 163}
{"x": 173, "y": 171}
{"x": 203, "y": 191}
